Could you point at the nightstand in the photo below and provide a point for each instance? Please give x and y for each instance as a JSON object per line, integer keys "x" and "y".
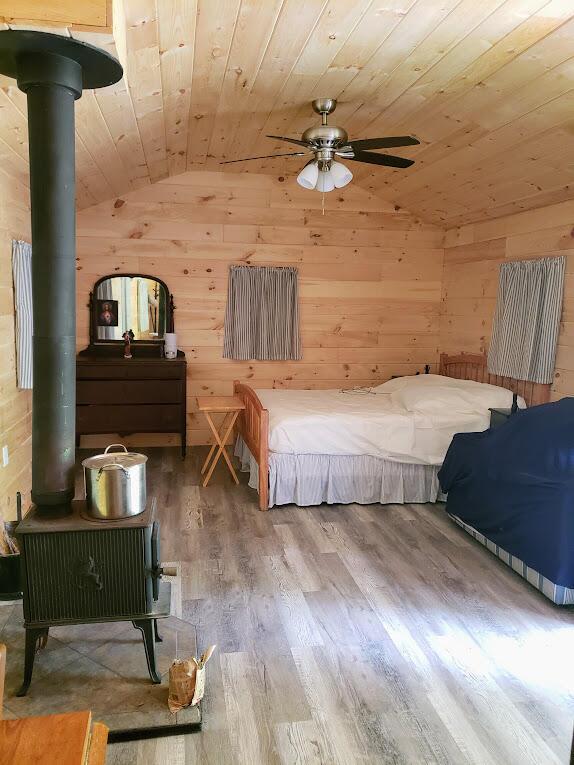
{"x": 231, "y": 407}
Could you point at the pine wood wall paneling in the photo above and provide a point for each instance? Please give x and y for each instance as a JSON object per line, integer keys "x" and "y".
{"x": 253, "y": 30}
{"x": 177, "y": 23}
{"x": 429, "y": 32}
{"x": 93, "y": 14}
{"x": 327, "y": 37}
{"x": 370, "y": 279}
{"x": 358, "y": 61}
{"x": 456, "y": 103}
{"x": 294, "y": 27}
{"x": 486, "y": 87}
{"x": 144, "y": 79}
{"x": 472, "y": 257}
{"x": 15, "y": 126}
{"x": 214, "y": 33}
{"x": 115, "y": 115}
{"x": 15, "y": 405}
{"x": 95, "y": 134}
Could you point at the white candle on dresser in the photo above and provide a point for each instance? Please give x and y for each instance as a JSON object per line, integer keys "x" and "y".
{"x": 170, "y": 345}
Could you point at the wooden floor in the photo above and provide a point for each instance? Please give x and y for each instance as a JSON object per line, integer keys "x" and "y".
{"x": 352, "y": 634}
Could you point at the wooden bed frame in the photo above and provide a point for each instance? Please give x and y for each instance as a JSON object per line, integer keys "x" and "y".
{"x": 467, "y": 366}
{"x": 253, "y": 423}
{"x": 253, "y": 427}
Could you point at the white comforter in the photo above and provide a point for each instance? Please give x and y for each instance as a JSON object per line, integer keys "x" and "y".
{"x": 409, "y": 419}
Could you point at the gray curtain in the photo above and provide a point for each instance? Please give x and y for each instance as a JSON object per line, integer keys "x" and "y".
{"x": 527, "y": 319}
{"x": 262, "y": 314}
{"x": 22, "y": 273}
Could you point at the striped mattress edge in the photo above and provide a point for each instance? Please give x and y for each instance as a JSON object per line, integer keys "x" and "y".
{"x": 558, "y": 594}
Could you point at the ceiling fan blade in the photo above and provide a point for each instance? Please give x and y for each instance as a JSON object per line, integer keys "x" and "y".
{"x": 381, "y": 159}
{"x": 267, "y": 156}
{"x": 290, "y": 140}
{"x": 389, "y": 142}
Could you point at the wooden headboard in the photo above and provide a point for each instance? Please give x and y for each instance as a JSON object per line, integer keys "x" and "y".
{"x": 468, "y": 366}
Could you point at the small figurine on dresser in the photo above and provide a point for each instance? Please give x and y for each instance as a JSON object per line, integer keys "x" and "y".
{"x": 128, "y": 338}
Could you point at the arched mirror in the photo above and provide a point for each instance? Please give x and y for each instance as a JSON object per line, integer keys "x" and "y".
{"x": 123, "y": 302}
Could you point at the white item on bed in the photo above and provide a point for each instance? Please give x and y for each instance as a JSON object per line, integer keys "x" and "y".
{"x": 311, "y": 479}
{"x": 333, "y": 422}
{"x": 432, "y": 394}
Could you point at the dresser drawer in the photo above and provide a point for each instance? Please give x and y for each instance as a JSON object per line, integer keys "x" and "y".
{"x": 165, "y": 370}
{"x": 128, "y": 391}
{"x": 128, "y": 418}
{"x": 130, "y": 370}
{"x": 100, "y": 371}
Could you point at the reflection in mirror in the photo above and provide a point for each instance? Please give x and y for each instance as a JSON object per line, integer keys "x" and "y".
{"x": 136, "y": 303}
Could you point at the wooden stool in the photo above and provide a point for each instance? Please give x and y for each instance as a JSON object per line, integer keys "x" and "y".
{"x": 231, "y": 406}
{"x": 65, "y": 739}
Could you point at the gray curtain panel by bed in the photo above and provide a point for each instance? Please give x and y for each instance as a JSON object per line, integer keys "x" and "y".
{"x": 262, "y": 314}
{"x": 527, "y": 319}
{"x": 22, "y": 274}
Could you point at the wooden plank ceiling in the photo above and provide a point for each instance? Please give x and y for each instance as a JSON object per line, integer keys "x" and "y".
{"x": 487, "y": 86}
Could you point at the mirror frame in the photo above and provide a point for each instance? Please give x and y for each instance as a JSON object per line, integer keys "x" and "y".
{"x": 169, "y": 309}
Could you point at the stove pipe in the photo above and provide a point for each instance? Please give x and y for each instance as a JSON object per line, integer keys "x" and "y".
{"x": 52, "y": 70}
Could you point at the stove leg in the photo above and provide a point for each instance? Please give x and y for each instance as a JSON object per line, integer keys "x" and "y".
{"x": 146, "y": 627}
{"x": 158, "y": 638}
{"x": 35, "y": 638}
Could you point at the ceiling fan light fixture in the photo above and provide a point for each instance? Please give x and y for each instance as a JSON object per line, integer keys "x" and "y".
{"x": 325, "y": 181}
{"x": 308, "y": 176}
{"x": 341, "y": 174}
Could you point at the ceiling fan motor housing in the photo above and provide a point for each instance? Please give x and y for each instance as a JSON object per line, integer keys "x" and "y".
{"x": 325, "y": 136}
{"x": 325, "y": 140}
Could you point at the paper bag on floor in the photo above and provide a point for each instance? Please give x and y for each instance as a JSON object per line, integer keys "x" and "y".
{"x": 187, "y": 681}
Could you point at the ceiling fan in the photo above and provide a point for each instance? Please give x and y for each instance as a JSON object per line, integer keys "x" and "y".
{"x": 325, "y": 142}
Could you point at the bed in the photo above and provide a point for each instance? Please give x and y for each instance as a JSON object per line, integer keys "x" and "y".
{"x": 512, "y": 489}
{"x": 281, "y": 437}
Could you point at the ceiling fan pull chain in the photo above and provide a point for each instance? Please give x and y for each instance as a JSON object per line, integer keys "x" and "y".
{"x": 323, "y": 202}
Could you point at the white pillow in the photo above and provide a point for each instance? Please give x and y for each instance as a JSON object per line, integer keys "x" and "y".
{"x": 435, "y": 394}
{"x": 398, "y": 383}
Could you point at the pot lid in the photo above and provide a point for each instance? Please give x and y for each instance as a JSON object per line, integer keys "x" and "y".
{"x": 125, "y": 459}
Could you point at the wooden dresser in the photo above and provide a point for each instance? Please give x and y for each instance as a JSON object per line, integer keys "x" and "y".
{"x": 125, "y": 396}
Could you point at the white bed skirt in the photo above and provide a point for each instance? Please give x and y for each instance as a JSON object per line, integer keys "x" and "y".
{"x": 311, "y": 479}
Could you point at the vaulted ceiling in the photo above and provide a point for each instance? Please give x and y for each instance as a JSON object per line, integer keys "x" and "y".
{"x": 486, "y": 85}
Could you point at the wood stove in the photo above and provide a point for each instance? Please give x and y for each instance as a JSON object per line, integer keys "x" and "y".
{"x": 78, "y": 570}
{"x": 75, "y": 570}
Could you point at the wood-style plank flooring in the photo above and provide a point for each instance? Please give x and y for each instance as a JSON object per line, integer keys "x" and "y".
{"x": 353, "y": 634}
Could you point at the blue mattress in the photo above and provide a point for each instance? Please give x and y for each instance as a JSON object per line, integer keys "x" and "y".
{"x": 562, "y": 596}
{"x": 514, "y": 486}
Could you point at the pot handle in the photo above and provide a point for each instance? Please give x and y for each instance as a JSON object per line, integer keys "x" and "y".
{"x": 112, "y": 465}
{"x": 107, "y": 449}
